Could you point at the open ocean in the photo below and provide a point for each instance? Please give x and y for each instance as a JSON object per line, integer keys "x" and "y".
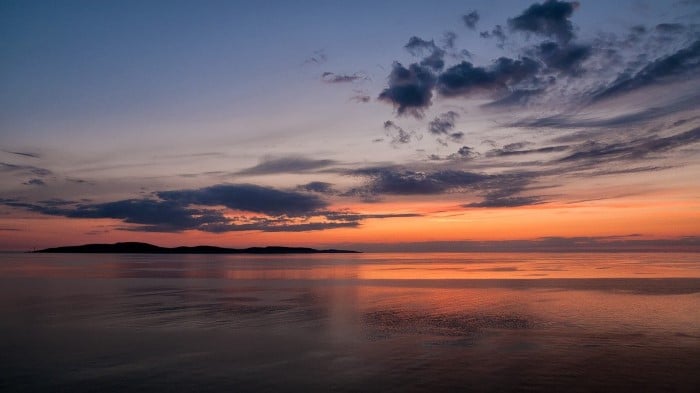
{"x": 350, "y": 322}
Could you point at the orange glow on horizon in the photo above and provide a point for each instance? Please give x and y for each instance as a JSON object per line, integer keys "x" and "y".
{"x": 438, "y": 221}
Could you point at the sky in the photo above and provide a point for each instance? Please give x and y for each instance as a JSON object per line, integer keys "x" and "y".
{"x": 374, "y": 125}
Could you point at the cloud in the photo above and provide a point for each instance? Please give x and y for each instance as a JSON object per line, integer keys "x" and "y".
{"x": 418, "y": 46}
{"x": 23, "y": 154}
{"x": 330, "y": 77}
{"x": 317, "y": 58}
{"x": 410, "y": 89}
{"x": 470, "y": 19}
{"x": 494, "y": 201}
{"x": 361, "y": 98}
{"x": 516, "y": 150}
{"x": 345, "y": 215}
{"x": 27, "y": 169}
{"x": 292, "y": 164}
{"x": 628, "y": 243}
{"x": 249, "y": 198}
{"x": 397, "y": 181}
{"x": 497, "y": 33}
{"x": 465, "y": 79}
{"x": 449, "y": 39}
{"x": 633, "y": 149}
{"x": 456, "y": 136}
{"x": 670, "y": 28}
{"x": 565, "y": 121}
{"x": 548, "y": 19}
{"x": 151, "y": 215}
{"x": 504, "y": 190}
{"x": 464, "y": 153}
{"x": 398, "y": 135}
{"x": 34, "y": 182}
{"x": 563, "y": 58}
{"x": 317, "y": 186}
{"x": 624, "y": 171}
{"x": 443, "y": 123}
{"x": 499, "y": 190}
{"x": 667, "y": 68}
{"x": 204, "y": 209}
{"x": 435, "y": 55}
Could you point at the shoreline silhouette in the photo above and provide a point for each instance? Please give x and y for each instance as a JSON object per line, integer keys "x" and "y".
{"x": 146, "y": 248}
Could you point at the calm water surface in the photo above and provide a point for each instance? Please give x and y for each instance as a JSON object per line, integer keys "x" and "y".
{"x": 355, "y": 323}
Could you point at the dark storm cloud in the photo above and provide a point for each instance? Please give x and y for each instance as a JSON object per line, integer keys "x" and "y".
{"x": 471, "y": 19}
{"x": 247, "y": 197}
{"x": 291, "y": 164}
{"x": 563, "y": 58}
{"x": 683, "y": 62}
{"x": 548, "y": 19}
{"x": 464, "y": 78}
{"x": 331, "y": 77}
{"x": 443, "y": 123}
{"x": 410, "y": 89}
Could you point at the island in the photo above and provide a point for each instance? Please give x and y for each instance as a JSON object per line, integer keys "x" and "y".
{"x": 146, "y": 248}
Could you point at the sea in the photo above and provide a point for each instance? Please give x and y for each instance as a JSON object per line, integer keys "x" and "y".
{"x": 372, "y": 322}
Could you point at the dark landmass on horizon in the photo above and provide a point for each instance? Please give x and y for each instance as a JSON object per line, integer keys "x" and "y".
{"x": 146, "y": 248}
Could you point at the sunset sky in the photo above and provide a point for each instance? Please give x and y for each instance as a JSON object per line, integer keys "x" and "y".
{"x": 374, "y": 125}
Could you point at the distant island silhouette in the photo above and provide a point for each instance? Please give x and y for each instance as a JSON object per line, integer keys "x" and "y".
{"x": 146, "y": 248}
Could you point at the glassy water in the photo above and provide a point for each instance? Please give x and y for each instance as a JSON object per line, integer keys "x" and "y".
{"x": 355, "y": 323}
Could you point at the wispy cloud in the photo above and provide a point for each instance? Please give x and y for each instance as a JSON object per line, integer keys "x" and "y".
{"x": 287, "y": 164}
{"x": 27, "y": 169}
{"x": 23, "y": 154}
{"x": 331, "y": 77}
